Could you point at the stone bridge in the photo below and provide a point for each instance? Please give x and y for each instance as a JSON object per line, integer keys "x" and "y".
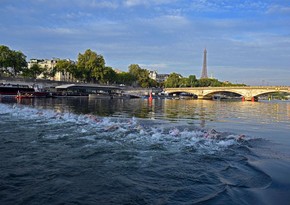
{"x": 247, "y": 92}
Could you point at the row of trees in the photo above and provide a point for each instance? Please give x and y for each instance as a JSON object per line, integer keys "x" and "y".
{"x": 91, "y": 68}
{"x": 176, "y": 80}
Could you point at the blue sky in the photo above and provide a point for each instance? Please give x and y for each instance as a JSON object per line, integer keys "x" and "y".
{"x": 247, "y": 41}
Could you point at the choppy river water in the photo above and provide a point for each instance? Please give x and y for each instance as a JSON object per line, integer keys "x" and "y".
{"x": 93, "y": 151}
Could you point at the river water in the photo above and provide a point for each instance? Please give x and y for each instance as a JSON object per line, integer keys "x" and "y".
{"x": 98, "y": 151}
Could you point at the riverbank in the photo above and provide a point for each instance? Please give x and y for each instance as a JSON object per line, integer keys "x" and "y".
{"x": 51, "y": 87}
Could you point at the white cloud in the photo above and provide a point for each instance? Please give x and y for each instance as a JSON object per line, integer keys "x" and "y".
{"x": 58, "y": 31}
{"x": 171, "y": 22}
{"x": 158, "y": 66}
{"x": 226, "y": 5}
{"x": 278, "y": 9}
{"x": 132, "y": 3}
{"x": 84, "y": 4}
{"x": 100, "y": 4}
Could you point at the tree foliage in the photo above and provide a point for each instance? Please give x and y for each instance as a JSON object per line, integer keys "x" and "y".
{"x": 12, "y": 62}
{"x": 173, "y": 80}
{"x": 176, "y": 80}
{"x": 33, "y": 71}
{"x": 135, "y": 70}
{"x": 18, "y": 62}
{"x": 109, "y": 75}
{"x": 141, "y": 76}
{"x": 65, "y": 66}
{"x": 125, "y": 78}
{"x": 192, "y": 81}
{"x": 91, "y": 66}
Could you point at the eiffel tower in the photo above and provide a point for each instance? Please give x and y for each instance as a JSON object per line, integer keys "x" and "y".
{"x": 204, "y": 67}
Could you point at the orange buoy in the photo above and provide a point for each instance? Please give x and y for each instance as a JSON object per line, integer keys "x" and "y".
{"x": 150, "y": 96}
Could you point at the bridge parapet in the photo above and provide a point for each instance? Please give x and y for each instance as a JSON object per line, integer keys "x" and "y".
{"x": 248, "y": 92}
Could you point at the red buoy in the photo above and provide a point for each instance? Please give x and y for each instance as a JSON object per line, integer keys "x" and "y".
{"x": 150, "y": 96}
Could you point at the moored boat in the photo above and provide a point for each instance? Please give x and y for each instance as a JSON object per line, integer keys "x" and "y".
{"x": 24, "y": 90}
{"x": 13, "y": 89}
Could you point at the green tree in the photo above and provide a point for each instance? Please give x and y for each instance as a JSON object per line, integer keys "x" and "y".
{"x": 184, "y": 82}
{"x": 143, "y": 78}
{"x": 11, "y": 62}
{"x": 173, "y": 80}
{"x": 33, "y": 71}
{"x": 141, "y": 75}
{"x": 91, "y": 66}
{"x": 18, "y": 62}
{"x": 65, "y": 66}
{"x": 110, "y": 76}
{"x": 153, "y": 83}
{"x": 192, "y": 81}
{"x": 134, "y": 69}
{"x": 206, "y": 82}
{"x": 125, "y": 78}
{"x": 5, "y": 54}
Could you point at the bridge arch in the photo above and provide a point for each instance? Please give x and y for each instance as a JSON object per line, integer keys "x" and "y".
{"x": 257, "y": 94}
{"x": 227, "y": 93}
{"x": 171, "y": 92}
{"x": 247, "y": 92}
{"x": 183, "y": 94}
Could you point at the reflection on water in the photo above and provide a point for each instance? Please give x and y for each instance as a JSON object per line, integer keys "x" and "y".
{"x": 198, "y": 112}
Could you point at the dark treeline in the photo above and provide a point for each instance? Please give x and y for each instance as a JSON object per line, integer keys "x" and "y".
{"x": 91, "y": 68}
{"x": 176, "y": 80}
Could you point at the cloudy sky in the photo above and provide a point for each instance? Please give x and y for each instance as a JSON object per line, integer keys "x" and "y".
{"x": 248, "y": 41}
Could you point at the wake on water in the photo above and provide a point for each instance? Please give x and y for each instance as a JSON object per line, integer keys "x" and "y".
{"x": 127, "y": 156}
{"x": 154, "y": 131}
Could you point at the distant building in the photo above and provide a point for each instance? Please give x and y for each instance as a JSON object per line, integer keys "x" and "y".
{"x": 49, "y": 65}
{"x": 118, "y": 70}
{"x": 153, "y": 75}
{"x": 204, "y": 67}
{"x": 43, "y": 63}
{"x": 158, "y": 77}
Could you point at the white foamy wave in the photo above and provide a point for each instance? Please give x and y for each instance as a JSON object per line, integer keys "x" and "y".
{"x": 126, "y": 130}
{"x": 55, "y": 136}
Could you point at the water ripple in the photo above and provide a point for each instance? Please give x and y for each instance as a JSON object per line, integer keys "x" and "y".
{"x": 54, "y": 158}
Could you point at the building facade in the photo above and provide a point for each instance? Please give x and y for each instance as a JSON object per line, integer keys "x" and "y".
{"x": 49, "y": 65}
{"x": 158, "y": 77}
